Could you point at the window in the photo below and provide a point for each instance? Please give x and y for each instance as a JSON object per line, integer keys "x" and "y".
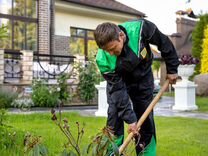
{"x": 6, "y": 6}
{"x": 6, "y": 37}
{"x": 20, "y": 19}
{"x": 82, "y": 42}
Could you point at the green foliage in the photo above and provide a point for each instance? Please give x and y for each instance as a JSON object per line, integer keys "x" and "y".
{"x": 3, "y": 32}
{"x": 103, "y": 143}
{"x": 204, "y": 55}
{"x": 8, "y": 137}
{"x": 23, "y": 103}
{"x": 88, "y": 77}
{"x": 6, "y": 98}
{"x": 44, "y": 95}
{"x": 64, "y": 93}
{"x": 197, "y": 38}
{"x": 3, "y": 114}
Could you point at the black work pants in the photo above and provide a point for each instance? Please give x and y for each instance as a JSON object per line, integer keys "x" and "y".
{"x": 141, "y": 94}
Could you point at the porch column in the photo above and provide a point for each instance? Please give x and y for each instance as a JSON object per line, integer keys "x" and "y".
{"x": 1, "y": 66}
{"x": 27, "y": 66}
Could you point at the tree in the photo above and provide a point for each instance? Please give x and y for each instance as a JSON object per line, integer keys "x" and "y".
{"x": 197, "y": 38}
{"x": 204, "y": 55}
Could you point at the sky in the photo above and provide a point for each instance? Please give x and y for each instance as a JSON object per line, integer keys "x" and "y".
{"x": 162, "y": 12}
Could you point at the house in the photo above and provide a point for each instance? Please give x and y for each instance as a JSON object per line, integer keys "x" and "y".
{"x": 182, "y": 39}
{"x": 75, "y": 21}
{"x": 45, "y": 35}
{"x": 185, "y": 23}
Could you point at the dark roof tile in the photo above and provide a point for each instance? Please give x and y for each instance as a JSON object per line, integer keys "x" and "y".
{"x": 108, "y": 5}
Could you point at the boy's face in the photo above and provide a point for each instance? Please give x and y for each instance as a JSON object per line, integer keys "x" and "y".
{"x": 115, "y": 47}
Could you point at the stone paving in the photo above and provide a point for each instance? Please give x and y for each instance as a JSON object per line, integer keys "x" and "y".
{"x": 163, "y": 108}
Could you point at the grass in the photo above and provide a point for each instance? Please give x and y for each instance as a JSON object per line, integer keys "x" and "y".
{"x": 175, "y": 136}
{"x": 201, "y": 102}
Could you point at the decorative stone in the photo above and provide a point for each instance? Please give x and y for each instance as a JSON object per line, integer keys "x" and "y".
{"x": 102, "y": 99}
{"x": 202, "y": 82}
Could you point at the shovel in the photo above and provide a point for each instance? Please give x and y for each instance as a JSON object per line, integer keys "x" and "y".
{"x": 144, "y": 116}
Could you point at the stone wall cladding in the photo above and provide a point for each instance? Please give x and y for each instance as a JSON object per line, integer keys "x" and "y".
{"x": 27, "y": 64}
{"x": 1, "y": 66}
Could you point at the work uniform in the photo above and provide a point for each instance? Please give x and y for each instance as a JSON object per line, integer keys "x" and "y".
{"x": 130, "y": 81}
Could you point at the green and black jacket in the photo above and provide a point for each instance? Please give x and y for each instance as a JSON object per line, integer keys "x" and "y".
{"x": 133, "y": 64}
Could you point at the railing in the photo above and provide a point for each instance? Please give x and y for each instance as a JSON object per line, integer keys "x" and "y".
{"x": 47, "y": 66}
{"x": 12, "y": 66}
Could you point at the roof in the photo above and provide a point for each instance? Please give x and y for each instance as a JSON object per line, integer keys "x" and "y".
{"x": 108, "y": 5}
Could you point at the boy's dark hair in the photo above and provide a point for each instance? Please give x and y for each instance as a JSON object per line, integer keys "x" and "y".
{"x": 105, "y": 33}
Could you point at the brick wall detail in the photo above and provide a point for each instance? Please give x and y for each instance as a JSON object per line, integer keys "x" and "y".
{"x": 27, "y": 66}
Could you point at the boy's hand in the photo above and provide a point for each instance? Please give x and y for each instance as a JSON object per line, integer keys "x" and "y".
{"x": 133, "y": 128}
{"x": 172, "y": 78}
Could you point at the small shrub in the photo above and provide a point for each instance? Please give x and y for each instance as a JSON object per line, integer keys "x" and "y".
{"x": 3, "y": 114}
{"x": 33, "y": 145}
{"x": 23, "y": 103}
{"x": 102, "y": 144}
{"x": 204, "y": 54}
{"x": 44, "y": 95}
{"x": 88, "y": 77}
{"x": 63, "y": 92}
{"x": 6, "y": 98}
{"x": 188, "y": 59}
{"x": 72, "y": 147}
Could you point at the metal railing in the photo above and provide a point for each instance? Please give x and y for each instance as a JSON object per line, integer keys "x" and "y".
{"x": 46, "y": 66}
{"x": 12, "y": 66}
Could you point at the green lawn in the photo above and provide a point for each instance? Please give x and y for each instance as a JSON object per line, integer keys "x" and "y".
{"x": 175, "y": 136}
{"x": 202, "y": 103}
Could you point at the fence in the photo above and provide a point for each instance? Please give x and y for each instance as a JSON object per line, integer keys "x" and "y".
{"x": 50, "y": 66}
{"x": 12, "y": 66}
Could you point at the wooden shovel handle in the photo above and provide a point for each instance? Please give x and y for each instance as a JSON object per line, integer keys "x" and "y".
{"x": 144, "y": 116}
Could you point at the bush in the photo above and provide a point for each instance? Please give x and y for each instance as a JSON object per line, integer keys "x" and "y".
{"x": 197, "y": 39}
{"x": 63, "y": 93}
{"x": 88, "y": 77}
{"x": 44, "y": 95}
{"x": 204, "y": 55}
{"x": 23, "y": 103}
{"x": 6, "y": 98}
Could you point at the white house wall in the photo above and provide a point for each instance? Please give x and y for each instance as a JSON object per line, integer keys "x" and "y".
{"x": 72, "y": 15}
